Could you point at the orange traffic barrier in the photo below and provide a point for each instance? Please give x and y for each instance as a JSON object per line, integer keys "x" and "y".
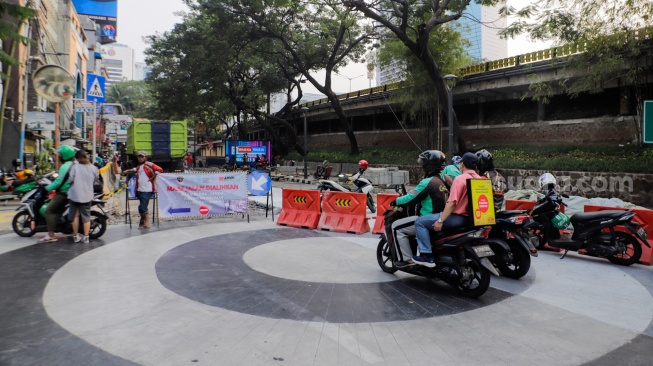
{"x": 344, "y": 212}
{"x": 643, "y": 217}
{"x": 382, "y": 204}
{"x": 300, "y": 208}
{"x": 528, "y": 205}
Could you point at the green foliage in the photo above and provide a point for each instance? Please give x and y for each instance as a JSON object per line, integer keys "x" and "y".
{"x": 43, "y": 157}
{"x": 136, "y": 97}
{"x": 10, "y": 31}
{"x": 627, "y": 159}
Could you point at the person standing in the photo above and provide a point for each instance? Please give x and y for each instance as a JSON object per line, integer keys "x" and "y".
{"x": 145, "y": 186}
{"x": 246, "y": 161}
{"x": 80, "y": 194}
{"x": 61, "y": 185}
{"x": 188, "y": 161}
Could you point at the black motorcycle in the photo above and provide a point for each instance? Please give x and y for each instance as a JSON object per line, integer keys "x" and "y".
{"x": 594, "y": 232}
{"x": 30, "y": 218}
{"x": 513, "y": 254}
{"x": 461, "y": 258}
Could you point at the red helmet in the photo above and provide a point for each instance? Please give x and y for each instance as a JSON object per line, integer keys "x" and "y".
{"x": 363, "y": 164}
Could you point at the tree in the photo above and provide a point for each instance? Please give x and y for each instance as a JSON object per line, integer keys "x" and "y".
{"x": 413, "y": 23}
{"x": 136, "y": 97}
{"x": 610, "y": 33}
{"x": 313, "y": 36}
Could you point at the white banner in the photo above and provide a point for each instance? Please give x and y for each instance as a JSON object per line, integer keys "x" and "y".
{"x": 197, "y": 195}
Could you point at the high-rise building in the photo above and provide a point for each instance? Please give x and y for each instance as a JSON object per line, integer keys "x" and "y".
{"x": 119, "y": 61}
{"x": 480, "y": 26}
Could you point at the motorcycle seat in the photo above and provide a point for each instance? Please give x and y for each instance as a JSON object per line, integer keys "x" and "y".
{"x": 436, "y": 235}
{"x": 510, "y": 213}
{"x": 588, "y": 216}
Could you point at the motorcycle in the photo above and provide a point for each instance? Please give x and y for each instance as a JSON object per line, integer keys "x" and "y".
{"x": 30, "y": 218}
{"x": 19, "y": 183}
{"x": 522, "y": 244}
{"x": 593, "y": 233}
{"x": 323, "y": 171}
{"x": 363, "y": 185}
{"x": 461, "y": 260}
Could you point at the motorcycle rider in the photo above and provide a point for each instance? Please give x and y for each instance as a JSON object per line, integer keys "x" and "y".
{"x": 61, "y": 185}
{"x": 430, "y": 194}
{"x": 455, "y": 213}
{"x": 453, "y": 170}
{"x": 485, "y": 168}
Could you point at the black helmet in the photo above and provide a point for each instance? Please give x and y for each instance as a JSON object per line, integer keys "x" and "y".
{"x": 485, "y": 162}
{"x": 432, "y": 161}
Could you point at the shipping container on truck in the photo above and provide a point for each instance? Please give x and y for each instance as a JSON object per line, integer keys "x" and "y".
{"x": 165, "y": 142}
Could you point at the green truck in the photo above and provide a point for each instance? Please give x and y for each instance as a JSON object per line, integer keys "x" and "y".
{"x": 165, "y": 142}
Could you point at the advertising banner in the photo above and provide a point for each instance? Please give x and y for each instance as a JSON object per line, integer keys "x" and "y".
{"x": 481, "y": 201}
{"x": 251, "y": 148}
{"x": 39, "y": 121}
{"x": 103, "y": 12}
{"x": 197, "y": 195}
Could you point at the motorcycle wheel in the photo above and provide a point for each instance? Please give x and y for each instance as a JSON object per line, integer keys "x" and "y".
{"x": 370, "y": 203}
{"x": 518, "y": 266}
{"x": 98, "y": 225}
{"x": 384, "y": 257}
{"x": 633, "y": 250}
{"x": 22, "y": 224}
{"x": 478, "y": 284}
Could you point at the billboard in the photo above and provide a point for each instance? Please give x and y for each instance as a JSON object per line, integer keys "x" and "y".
{"x": 39, "y": 121}
{"x": 103, "y": 12}
{"x": 251, "y": 148}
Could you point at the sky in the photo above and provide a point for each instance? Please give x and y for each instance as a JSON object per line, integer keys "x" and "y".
{"x": 140, "y": 18}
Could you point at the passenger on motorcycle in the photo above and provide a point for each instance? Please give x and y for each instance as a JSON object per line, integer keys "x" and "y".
{"x": 455, "y": 213}
{"x": 61, "y": 185}
{"x": 453, "y": 170}
{"x": 430, "y": 195}
{"x": 485, "y": 168}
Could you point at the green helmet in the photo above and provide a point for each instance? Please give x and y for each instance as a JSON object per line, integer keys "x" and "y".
{"x": 560, "y": 221}
{"x": 66, "y": 152}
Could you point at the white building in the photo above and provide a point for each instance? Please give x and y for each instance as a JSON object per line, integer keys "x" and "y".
{"x": 119, "y": 61}
{"x": 141, "y": 70}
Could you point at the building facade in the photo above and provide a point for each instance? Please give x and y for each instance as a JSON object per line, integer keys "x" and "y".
{"x": 119, "y": 61}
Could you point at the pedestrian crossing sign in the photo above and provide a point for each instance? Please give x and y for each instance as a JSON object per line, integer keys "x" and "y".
{"x": 95, "y": 91}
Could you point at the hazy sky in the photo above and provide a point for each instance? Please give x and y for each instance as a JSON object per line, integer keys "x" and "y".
{"x": 140, "y": 18}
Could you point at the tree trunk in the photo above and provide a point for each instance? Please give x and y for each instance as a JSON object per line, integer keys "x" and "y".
{"x": 344, "y": 122}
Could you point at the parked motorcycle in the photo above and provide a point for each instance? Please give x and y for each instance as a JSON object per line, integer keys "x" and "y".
{"x": 522, "y": 244}
{"x": 30, "y": 217}
{"x": 362, "y": 185}
{"x": 18, "y": 183}
{"x": 323, "y": 171}
{"x": 462, "y": 262}
{"x": 608, "y": 234}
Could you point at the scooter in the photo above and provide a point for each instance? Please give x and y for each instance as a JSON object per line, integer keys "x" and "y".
{"x": 593, "y": 233}
{"x": 30, "y": 218}
{"x": 18, "y": 184}
{"x": 461, "y": 260}
{"x": 514, "y": 262}
{"x": 363, "y": 185}
{"x": 323, "y": 171}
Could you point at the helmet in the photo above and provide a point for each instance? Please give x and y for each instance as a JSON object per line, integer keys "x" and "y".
{"x": 456, "y": 160}
{"x": 560, "y": 221}
{"x": 546, "y": 181}
{"x": 363, "y": 164}
{"x": 432, "y": 161}
{"x": 16, "y": 162}
{"x": 66, "y": 152}
{"x": 485, "y": 162}
{"x": 28, "y": 172}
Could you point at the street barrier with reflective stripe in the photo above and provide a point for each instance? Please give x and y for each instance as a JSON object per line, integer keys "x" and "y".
{"x": 382, "y": 204}
{"x": 344, "y": 212}
{"x": 300, "y": 208}
{"x": 643, "y": 217}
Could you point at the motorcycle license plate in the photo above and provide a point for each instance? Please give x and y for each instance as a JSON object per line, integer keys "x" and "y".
{"x": 642, "y": 233}
{"x": 483, "y": 251}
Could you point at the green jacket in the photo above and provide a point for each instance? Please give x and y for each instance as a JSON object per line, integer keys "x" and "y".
{"x": 57, "y": 182}
{"x": 452, "y": 170}
{"x": 430, "y": 194}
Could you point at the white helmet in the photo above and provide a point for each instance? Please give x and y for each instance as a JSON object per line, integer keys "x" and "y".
{"x": 546, "y": 181}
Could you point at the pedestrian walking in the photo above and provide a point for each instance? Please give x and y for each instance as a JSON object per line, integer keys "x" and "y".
{"x": 188, "y": 162}
{"x": 145, "y": 186}
{"x": 82, "y": 176}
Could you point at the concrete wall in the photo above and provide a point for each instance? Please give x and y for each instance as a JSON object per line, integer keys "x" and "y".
{"x": 601, "y": 131}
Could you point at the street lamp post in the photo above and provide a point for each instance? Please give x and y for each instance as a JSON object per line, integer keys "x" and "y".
{"x": 304, "y": 110}
{"x": 348, "y": 78}
{"x": 450, "y": 81}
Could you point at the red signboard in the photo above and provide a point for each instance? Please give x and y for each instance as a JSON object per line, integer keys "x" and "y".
{"x": 244, "y": 149}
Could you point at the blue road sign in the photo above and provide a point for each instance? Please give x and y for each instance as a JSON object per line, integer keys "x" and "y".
{"x": 95, "y": 91}
{"x": 259, "y": 183}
